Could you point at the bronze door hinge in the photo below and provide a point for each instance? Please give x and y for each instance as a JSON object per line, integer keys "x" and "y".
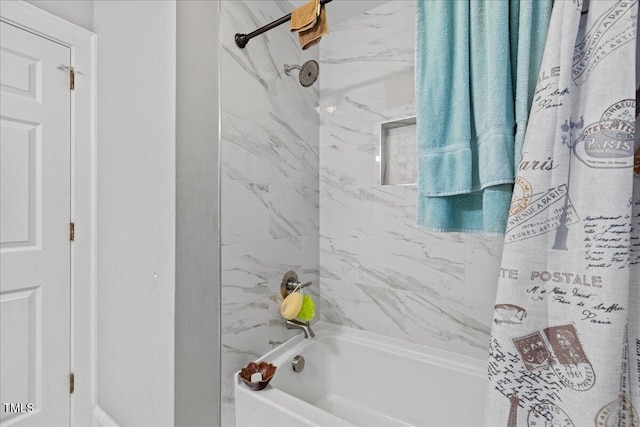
{"x": 72, "y": 379}
{"x": 72, "y": 75}
{"x": 72, "y": 231}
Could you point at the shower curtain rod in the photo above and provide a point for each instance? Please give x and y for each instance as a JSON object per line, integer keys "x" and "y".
{"x": 243, "y": 39}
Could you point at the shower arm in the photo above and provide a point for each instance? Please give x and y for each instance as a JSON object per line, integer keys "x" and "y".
{"x": 243, "y": 39}
{"x": 288, "y": 68}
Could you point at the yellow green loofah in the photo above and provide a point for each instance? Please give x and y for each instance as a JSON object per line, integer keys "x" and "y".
{"x": 308, "y": 310}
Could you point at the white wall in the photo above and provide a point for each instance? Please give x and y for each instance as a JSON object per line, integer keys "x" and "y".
{"x": 154, "y": 78}
{"x": 80, "y": 12}
{"x": 197, "y": 393}
{"x": 136, "y": 210}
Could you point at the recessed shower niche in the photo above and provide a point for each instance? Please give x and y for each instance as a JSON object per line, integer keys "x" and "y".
{"x": 398, "y": 163}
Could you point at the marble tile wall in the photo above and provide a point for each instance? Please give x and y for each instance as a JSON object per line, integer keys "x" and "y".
{"x": 301, "y": 191}
{"x": 269, "y": 196}
{"x": 378, "y": 271}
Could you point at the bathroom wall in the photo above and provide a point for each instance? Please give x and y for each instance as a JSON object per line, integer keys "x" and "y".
{"x": 197, "y": 322}
{"x": 136, "y": 202}
{"x": 79, "y": 12}
{"x": 378, "y": 271}
{"x": 269, "y": 186}
{"x": 158, "y": 271}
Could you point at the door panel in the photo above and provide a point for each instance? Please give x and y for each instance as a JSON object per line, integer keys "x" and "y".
{"x": 21, "y": 74}
{"x": 20, "y": 151}
{"x": 35, "y": 135}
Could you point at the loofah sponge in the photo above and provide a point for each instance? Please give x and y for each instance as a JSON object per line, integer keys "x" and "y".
{"x": 291, "y": 305}
{"x": 308, "y": 310}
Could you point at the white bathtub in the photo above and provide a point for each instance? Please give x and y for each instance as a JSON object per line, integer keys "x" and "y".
{"x": 358, "y": 378}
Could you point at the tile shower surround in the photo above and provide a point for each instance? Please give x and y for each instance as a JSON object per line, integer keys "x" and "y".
{"x": 269, "y": 194}
{"x": 378, "y": 272}
{"x": 297, "y": 199}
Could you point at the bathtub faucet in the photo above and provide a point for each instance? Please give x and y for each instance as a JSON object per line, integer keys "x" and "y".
{"x": 303, "y": 326}
{"x": 289, "y": 284}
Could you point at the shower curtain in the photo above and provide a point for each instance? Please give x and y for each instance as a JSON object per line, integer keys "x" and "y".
{"x": 565, "y": 344}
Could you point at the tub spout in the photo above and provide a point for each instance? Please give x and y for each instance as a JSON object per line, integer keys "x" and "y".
{"x": 303, "y": 326}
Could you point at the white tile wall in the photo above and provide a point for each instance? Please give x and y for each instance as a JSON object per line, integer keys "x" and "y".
{"x": 378, "y": 271}
{"x": 301, "y": 191}
{"x": 269, "y": 198}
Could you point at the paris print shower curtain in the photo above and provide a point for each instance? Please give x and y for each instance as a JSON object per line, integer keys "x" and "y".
{"x": 565, "y": 344}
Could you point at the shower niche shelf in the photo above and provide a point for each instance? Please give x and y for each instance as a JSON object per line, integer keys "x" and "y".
{"x": 398, "y": 152}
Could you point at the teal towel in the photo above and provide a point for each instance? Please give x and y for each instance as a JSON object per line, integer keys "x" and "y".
{"x": 467, "y": 107}
{"x": 491, "y": 92}
{"x": 477, "y": 212}
{"x": 442, "y": 76}
{"x": 529, "y": 25}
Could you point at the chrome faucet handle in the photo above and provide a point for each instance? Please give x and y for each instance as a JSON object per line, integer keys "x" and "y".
{"x": 292, "y": 286}
{"x": 290, "y": 283}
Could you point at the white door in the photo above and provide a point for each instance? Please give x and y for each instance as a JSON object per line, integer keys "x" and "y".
{"x": 35, "y": 103}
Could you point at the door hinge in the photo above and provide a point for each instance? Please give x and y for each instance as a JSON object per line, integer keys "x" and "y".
{"x": 72, "y": 75}
{"x": 72, "y": 379}
{"x": 72, "y": 231}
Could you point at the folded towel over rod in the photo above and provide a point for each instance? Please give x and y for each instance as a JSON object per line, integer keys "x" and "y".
{"x": 242, "y": 39}
{"x": 310, "y": 22}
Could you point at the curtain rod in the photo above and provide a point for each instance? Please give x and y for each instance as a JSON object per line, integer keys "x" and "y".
{"x": 243, "y": 39}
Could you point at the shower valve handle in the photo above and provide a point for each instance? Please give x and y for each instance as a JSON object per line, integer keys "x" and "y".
{"x": 290, "y": 283}
{"x": 292, "y": 286}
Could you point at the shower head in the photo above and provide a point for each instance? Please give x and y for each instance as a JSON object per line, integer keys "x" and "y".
{"x": 308, "y": 72}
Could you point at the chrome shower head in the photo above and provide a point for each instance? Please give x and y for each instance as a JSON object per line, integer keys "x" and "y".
{"x": 308, "y": 72}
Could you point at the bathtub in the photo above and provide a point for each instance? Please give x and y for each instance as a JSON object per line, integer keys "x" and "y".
{"x": 355, "y": 378}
